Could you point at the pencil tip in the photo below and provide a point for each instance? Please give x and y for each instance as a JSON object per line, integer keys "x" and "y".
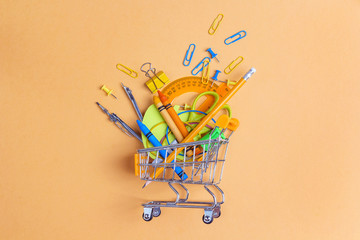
{"x": 147, "y": 183}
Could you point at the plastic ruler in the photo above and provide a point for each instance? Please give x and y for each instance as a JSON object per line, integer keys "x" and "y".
{"x": 193, "y": 84}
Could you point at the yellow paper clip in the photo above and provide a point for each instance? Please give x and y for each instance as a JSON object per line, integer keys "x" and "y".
{"x": 214, "y": 26}
{"x": 205, "y": 72}
{"x": 129, "y": 71}
{"x": 233, "y": 65}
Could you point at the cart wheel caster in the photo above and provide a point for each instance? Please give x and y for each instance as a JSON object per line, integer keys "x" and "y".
{"x": 217, "y": 213}
{"x": 156, "y": 212}
{"x": 147, "y": 217}
{"x": 207, "y": 219}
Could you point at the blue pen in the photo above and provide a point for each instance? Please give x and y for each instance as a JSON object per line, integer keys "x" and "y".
{"x": 144, "y": 129}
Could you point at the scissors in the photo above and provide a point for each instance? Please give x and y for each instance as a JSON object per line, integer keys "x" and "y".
{"x": 193, "y": 117}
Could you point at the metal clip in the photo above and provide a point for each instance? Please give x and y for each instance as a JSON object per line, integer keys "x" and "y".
{"x": 153, "y": 71}
{"x": 238, "y": 35}
{"x": 200, "y": 64}
{"x": 187, "y": 59}
{"x": 233, "y": 65}
{"x": 129, "y": 71}
{"x": 205, "y": 72}
{"x": 215, "y": 24}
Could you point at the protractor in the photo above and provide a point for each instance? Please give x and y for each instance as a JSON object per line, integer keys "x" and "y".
{"x": 193, "y": 84}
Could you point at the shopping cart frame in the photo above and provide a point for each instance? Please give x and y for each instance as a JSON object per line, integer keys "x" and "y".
{"x": 211, "y": 163}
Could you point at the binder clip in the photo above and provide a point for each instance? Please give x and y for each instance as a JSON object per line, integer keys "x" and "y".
{"x": 157, "y": 80}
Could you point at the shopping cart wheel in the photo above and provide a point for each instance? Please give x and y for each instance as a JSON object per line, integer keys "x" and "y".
{"x": 207, "y": 219}
{"x": 148, "y": 214}
{"x": 217, "y": 212}
{"x": 156, "y": 212}
{"x": 146, "y": 217}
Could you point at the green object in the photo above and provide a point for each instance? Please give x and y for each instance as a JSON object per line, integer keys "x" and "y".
{"x": 215, "y": 134}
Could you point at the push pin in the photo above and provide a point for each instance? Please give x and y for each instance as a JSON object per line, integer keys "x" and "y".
{"x": 186, "y": 107}
{"x": 215, "y": 76}
{"x": 213, "y": 55}
{"x": 108, "y": 91}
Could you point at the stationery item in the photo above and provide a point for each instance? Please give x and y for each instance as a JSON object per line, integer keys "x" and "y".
{"x": 169, "y": 121}
{"x": 221, "y": 123}
{"x": 127, "y": 70}
{"x": 200, "y": 66}
{"x": 216, "y": 75}
{"x": 205, "y": 72}
{"x": 124, "y": 127}
{"x": 235, "y": 37}
{"x": 215, "y": 24}
{"x": 108, "y": 91}
{"x": 155, "y": 82}
{"x": 163, "y": 153}
{"x": 227, "y": 81}
{"x": 233, "y": 125}
{"x": 169, "y": 108}
{"x": 208, "y": 93}
{"x": 193, "y": 84}
{"x": 132, "y": 99}
{"x": 189, "y": 55}
{"x": 213, "y": 55}
{"x": 207, "y": 118}
{"x": 233, "y": 65}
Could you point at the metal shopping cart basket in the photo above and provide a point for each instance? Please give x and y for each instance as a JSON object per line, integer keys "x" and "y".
{"x": 201, "y": 161}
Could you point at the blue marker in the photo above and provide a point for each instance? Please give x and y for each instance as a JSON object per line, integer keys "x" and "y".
{"x": 144, "y": 129}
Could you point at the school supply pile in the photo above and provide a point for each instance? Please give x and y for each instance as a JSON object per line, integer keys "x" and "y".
{"x": 184, "y": 144}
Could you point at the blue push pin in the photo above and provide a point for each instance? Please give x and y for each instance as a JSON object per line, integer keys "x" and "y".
{"x": 215, "y": 76}
{"x": 213, "y": 55}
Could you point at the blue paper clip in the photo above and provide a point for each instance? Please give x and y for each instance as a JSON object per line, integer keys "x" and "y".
{"x": 238, "y": 35}
{"x": 187, "y": 59}
{"x": 200, "y": 65}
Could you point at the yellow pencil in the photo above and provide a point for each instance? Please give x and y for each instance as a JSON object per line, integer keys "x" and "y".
{"x": 207, "y": 118}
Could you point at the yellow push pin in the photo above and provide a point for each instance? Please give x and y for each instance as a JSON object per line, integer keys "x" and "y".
{"x": 108, "y": 91}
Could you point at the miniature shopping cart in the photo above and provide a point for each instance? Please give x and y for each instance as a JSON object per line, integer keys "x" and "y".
{"x": 201, "y": 162}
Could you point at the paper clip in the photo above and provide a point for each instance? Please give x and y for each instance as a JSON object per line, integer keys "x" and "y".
{"x": 188, "y": 58}
{"x": 233, "y": 65}
{"x": 129, "y": 71}
{"x": 215, "y": 24}
{"x": 238, "y": 35}
{"x": 200, "y": 64}
{"x": 205, "y": 72}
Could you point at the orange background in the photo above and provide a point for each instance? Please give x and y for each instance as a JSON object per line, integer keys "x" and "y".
{"x": 66, "y": 172}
